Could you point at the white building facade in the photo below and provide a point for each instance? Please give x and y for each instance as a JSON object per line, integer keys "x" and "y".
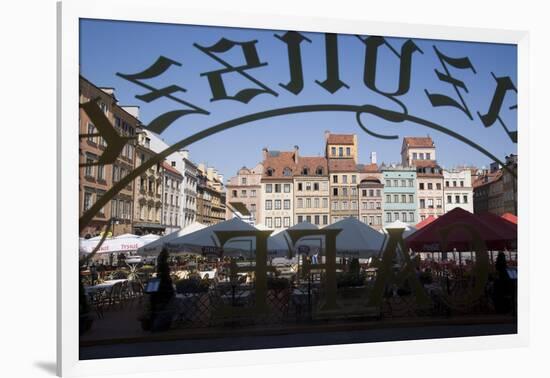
{"x": 457, "y": 189}
{"x": 188, "y": 189}
{"x": 277, "y": 189}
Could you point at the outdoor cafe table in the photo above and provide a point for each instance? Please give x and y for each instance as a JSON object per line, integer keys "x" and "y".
{"x": 106, "y": 286}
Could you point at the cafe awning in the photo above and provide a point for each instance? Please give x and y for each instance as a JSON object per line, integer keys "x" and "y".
{"x": 112, "y": 245}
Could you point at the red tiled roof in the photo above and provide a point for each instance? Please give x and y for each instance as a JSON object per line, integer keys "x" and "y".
{"x": 340, "y": 139}
{"x": 370, "y": 168}
{"x": 486, "y": 180}
{"x": 342, "y": 165}
{"x": 427, "y": 164}
{"x": 424, "y": 163}
{"x": 278, "y": 161}
{"x": 171, "y": 169}
{"x": 370, "y": 178}
{"x": 418, "y": 142}
{"x": 312, "y": 163}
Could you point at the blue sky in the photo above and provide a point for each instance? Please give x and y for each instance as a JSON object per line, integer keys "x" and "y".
{"x": 108, "y": 47}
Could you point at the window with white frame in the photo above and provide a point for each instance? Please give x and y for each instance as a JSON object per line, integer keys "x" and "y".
{"x": 88, "y": 199}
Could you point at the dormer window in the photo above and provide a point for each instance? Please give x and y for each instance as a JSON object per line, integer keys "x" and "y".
{"x": 270, "y": 171}
{"x": 305, "y": 171}
{"x": 319, "y": 171}
{"x": 287, "y": 172}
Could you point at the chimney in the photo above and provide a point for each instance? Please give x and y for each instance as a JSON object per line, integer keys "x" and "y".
{"x": 109, "y": 90}
{"x": 264, "y": 153}
{"x": 296, "y": 148}
{"x": 373, "y": 157}
{"x": 327, "y": 134}
{"x": 210, "y": 173}
{"x": 133, "y": 110}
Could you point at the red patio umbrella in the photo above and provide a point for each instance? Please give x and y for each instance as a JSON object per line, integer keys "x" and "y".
{"x": 425, "y": 222}
{"x": 429, "y": 238}
{"x": 499, "y": 222}
{"x": 510, "y": 217}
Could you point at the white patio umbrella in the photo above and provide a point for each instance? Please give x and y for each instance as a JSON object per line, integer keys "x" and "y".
{"x": 150, "y": 237}
{"x": 81, "y": 252}
{"x": 195, "y": 241}
{"x": 262, "y": 227}
{"x": 399, "y": 224}
{"x": 283, "y": 238}
{"x": 356, "y": 239}
{"x": 154, "y": 247}
{"x": 409, "y": 230}
{"x": 126, "y": 236}
{"x": 276, "y": 247}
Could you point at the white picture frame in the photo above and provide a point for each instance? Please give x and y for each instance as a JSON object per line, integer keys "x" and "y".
{"x": 69, "y": 13}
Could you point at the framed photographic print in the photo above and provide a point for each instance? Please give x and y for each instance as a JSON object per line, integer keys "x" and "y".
{"x": 246, "y": 188}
